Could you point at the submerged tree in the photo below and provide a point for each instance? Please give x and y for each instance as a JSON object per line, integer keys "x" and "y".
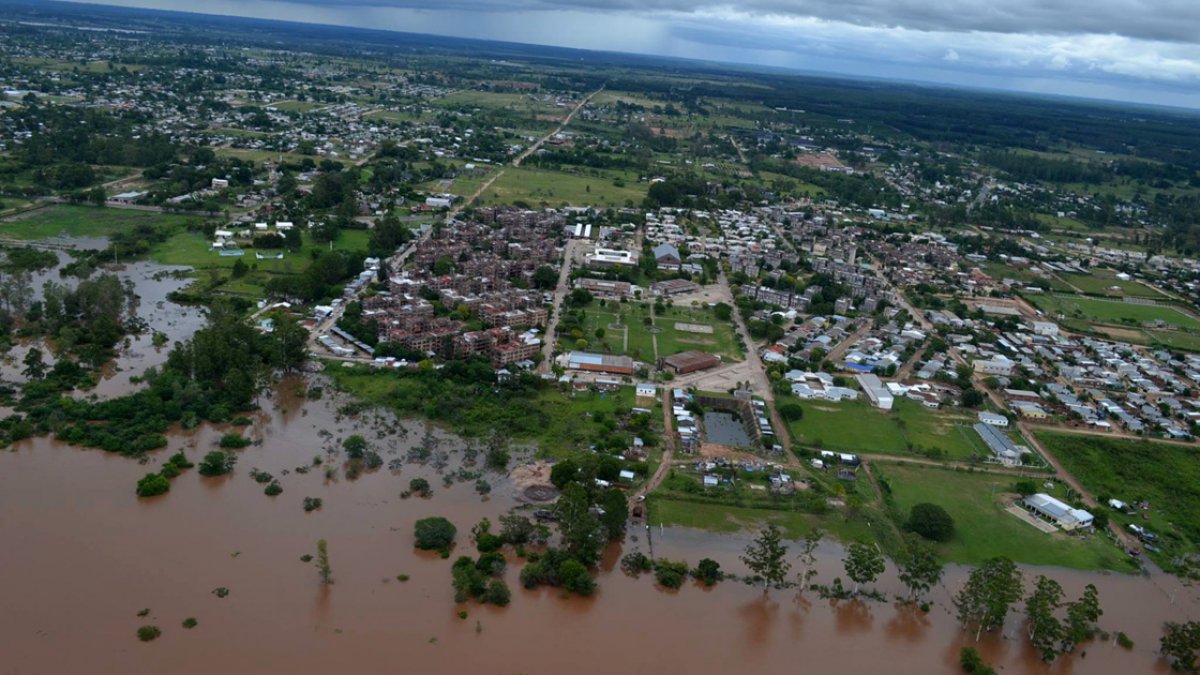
{"x": 323, "y": 567}
{"x": 766, "y": 557}
{"x": 990, "y": 590}
{"x": 920, "y": 569}
{"x": 863, "y": 563}
{"x": 1045, "y": 630}
{"x": 1179, "y": 644}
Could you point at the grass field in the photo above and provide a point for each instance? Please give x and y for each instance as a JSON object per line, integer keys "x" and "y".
{"x": 537, "y": 186}
{"x": 723, "y": 518}
{"x": 1100, "y": 281}
{"x": 1163, "y": 474}
{"x": 1113, "y": 311}
{"x": 85, "y": 221}
{"x": 910, "y": 429}
{"x": 640, "y": 343}
{"x": 982, "y": 527}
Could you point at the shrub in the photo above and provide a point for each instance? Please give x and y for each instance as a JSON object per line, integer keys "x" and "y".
{"x": 273, "y": 489}
{"x": 148, "y": 633}
{"x": 419, "y": 487}
{"x": 516, "y": 530}
{"x": 931, "y": 522}
{"x": 152, "y": 485}
{"x": 708, "y": 571}
{"x": 487, "y": 542}
{"x": 1124, "y": 640}
{"x": 312, "y": 503}
{"x": 497, "y": 593}
{"x": 635, "y": 563}
{"x": 791, "y": 411}
{"x": 190, "y": 622}
{"x": 179, "y": 461}
{"x": 670, "y": 574}
{"x": 491, "y": 564}
{"x": 574, "y": 577}
{"x": 434, "y": 534}
{"x": 234, "y": 441}
{"x": 217, "y": 463}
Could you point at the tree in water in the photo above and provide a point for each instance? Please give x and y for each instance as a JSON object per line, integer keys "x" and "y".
{"x": 766, "y": 557}
{"x": 808, "y": 558}
{"x": 581, "y": 532}
{"x": 323, "y": 567}
{"x": 863, "y": 563}
{"x": 1179, "y": 644}
{"x": 920, "y": 569}
{"x": 1045, "y": 630}
{"x": 990, "y": 590}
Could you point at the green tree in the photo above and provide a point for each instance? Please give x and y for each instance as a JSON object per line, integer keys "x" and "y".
{"x": 35, "y": 368}
{"x": 152, "y": 485}
{"x": 791, "y": 411}
{"x": 616, "y": 513}
{"x": 864, "y": 563}
{"x": 1082, "y": 616}
{"x": 323, "y": 567}
{"x": 931, "y": 521}
{"x": 574, "y": 577}
{"x": 580, "y": 529}
{"x": 545, "y": 277}
{"x": 1045, "y": 630}
{"x": 766, "y": 557}
{"x": 355, "y": 446}
{"x": 920, "y": 569}
{"x": 434, "y": 533}
{"x": 708, "y": 571}
{"x": 1179, "y": 644}
{"x": 217, "y": 463}
{"x": 990, "y": 591}
{"x": 808, "y": 558}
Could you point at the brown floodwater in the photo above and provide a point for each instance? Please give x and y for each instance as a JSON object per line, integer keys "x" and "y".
{"x": 82, "y": 555}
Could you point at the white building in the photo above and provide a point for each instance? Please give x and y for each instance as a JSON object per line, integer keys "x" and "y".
{"x": 993, "y": 419}
{"x": 1047, "y": 328}
{"x": 878, "y": 394}
{"x": 1061, "y": 514}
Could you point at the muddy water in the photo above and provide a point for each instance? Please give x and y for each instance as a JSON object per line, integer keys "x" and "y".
{"x": 152, "y": 283}
{"x": 82, "y": 555}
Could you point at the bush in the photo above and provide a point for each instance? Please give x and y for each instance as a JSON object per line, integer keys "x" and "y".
{"x": 487, "y": 542}
{"x": 670, "y": 574}
{"x": 708, "y": 572}
{"x": 152, "y": 485}
{"x": 312, "y": 503}
{"x": 574, "y": 577}
{"x": 497, "y": 593}
{"x": 491, "y": 564}
{"x": 635, "y": 563}
{"x": 1025, "y": 487}
{"x": 179, "y": 461}
{"x": 148, "y": 633}
{"x": 420, "y": 487}
{"x": 931, "y": 522}
{"x": 190, "y": 622}
{"x": 791, "y": 411}
{"x": 234, "y": 441}
{"x": 217, "y": 463}
{"x": 273, "y": 489}
{"x": 434, "y": 534}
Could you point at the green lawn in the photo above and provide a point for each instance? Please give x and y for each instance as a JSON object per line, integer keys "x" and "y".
{"x": 537, "y": 186}
{"x": 1100, "y": 281}
{"x": 86, "y": 221}
{"x": 858, "y": 427}
{"x": 724, "y": 518}
{"x": 1113, "y": 311}
{"x": 1164, "y": 474}
{"x": 983, "y": 529}
{"x": 641, "y": 338}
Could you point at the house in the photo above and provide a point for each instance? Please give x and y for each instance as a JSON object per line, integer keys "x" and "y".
{"x": 1045, "y": 328}
{"x": 219, "y": 183}
{"x": 999, "y": 366}
{"x": 667, "y": 257}
{"x": 876, "y": 392}
{"x": 993, "y": 419}
{"x": 1054, "y": 511}
{"x": 645, "y": 393}
{"x": 1031, "y": 411}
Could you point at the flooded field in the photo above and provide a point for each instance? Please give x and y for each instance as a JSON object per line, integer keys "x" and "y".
{"x": 724, "y": 428}
{"x": 152, "y": 283}
{"x": 83, "y": 556}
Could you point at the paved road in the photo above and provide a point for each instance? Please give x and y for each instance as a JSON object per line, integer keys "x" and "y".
{"x": 572, "y": 253}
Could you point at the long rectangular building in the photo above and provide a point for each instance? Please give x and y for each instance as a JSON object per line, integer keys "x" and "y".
{"x": 875, "y": 390}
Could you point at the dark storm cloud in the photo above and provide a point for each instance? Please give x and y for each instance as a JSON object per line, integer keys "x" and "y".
{"x": 1169, "y": 20}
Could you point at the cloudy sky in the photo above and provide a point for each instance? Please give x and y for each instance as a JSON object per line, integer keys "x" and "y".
{"x": 1146, "y": 51}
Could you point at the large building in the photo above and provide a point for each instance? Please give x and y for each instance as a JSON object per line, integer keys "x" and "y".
{"x": 689, "y": 362}
{"x": 1003, "y": 449}
{"x": 600, "y": 363}
{"x": 875, "y": 390}
{"x": 1054, "y": 511}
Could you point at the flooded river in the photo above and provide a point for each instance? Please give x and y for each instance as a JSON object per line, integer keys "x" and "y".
{"x": 82, "y": 556}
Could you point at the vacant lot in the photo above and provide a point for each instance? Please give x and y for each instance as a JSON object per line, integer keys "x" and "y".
{"x": 62, "y": 220}
{"x": 553, "y": 188}
{"x": 630, "y": 335}
{"x": 1102, "y": 281}
{"x": 910, "y": 429}
{"x": 982, "y": 528}
{"x": 1165, "y": 475}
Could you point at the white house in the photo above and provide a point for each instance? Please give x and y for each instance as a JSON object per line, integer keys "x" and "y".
{"x": 993, "y": 419}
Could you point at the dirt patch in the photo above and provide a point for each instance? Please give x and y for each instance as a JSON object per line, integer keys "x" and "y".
{"x": 824, "y": 408}
{"x": 531, "y": 482}
{"x": 1127, "y": 334}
